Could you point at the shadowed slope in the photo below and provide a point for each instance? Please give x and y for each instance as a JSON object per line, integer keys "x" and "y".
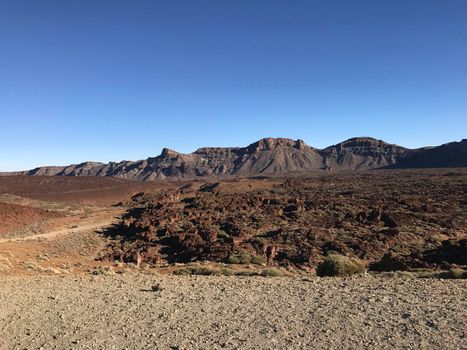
{"x": 270, "y": 156}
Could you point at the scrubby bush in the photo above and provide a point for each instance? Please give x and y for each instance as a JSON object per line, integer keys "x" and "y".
{"x": 244, "y": 257}
{"x": 258, "y": 260}
{"x": 272, "y": 273}
{"x": 227, "y": 272}
{"x": 234, "y": 259}
{"x": 455, "y": 273}
{"x": 397, "y": 274}
{"x": 202, "y": 270}
{"x": 248, "y": 273}
{"x": 339, "y": 265}
{"x": 209, "y": 271}
{"x": 103, "y": 270}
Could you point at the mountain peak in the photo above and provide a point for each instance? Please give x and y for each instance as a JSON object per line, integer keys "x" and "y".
{"x": 362, "y": 139}
{"x": 169, "y": 153}
{"x": 270, "y": 143}
{"x": 271, "y": 156}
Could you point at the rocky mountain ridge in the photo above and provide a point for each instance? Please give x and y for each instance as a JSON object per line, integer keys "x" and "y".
{"x": 269, "y": 156}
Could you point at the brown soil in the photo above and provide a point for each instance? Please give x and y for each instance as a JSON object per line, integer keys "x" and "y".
{"x": 13, "y": 216}
{"x": 65, "y": 245}
{"x": 51, "y": 225}
{"x": 86, "y": 190}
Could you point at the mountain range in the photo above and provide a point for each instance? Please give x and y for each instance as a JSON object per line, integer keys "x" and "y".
{"x": 269, "y": 156}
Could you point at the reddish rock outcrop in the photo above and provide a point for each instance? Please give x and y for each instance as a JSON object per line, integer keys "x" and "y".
{"x": 392, "y": 220}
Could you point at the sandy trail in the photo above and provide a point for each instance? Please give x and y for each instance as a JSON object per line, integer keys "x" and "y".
{"x": 64, "y": 231}
{"x": 123, "y": 312}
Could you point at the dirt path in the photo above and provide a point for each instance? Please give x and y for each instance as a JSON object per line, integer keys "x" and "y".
{"x": 123, "y": 312}
{"x": 52, "y": 234}
{"x": 69, "y": 244}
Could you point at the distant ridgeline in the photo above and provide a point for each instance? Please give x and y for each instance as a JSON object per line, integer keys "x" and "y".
{"x": 270, "y": 156}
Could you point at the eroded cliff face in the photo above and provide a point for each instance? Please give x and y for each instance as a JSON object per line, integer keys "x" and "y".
{"x": 269, "y": 156}
{"x": 362, "y": 153}
{"x": 452, "y": 154}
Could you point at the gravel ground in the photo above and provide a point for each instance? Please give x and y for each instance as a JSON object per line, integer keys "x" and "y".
{"x": 123, "y": 312}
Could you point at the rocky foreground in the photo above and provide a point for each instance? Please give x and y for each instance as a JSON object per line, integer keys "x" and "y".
{"x": 181, "y": 312}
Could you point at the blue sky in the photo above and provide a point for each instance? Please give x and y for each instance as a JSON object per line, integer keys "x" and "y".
{"x": 111, "y": 80}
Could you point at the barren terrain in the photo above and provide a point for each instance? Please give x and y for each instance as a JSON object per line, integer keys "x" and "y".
{"x": 124, "y": 312}
{"x": 393, "y": 220}
{"x": 83, "y": 190}
{"x": 14, "y": 216}
{"x": 87, "y": 263}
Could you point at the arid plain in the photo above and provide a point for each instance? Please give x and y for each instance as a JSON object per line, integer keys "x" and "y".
{"x": 105, "y": 263}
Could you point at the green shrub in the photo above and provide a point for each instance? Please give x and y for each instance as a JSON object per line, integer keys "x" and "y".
{"x": 227, "y": 272}
{"x": 234, "y": 259}
{"x": 339, "y": 265}
{"x": 272, "y": 273}
{"x": 209, "y": 271}
{"x": 455, "y": 273}
{"x": 244, "y": 257}
{"x": 458, "y": 273}
{"x": 247, "y": 273}
{"x": 259, "y": 260}
{"x": 397, "y": 274}
{"x": 195, "y": 270}
{"x": 103, "y": 270}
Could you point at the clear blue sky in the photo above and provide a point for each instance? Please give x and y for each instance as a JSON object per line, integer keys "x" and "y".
{"x": 111, "y": 80}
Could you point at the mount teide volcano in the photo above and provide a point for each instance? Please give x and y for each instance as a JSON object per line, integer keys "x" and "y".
{"x": 269, "y": 156}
